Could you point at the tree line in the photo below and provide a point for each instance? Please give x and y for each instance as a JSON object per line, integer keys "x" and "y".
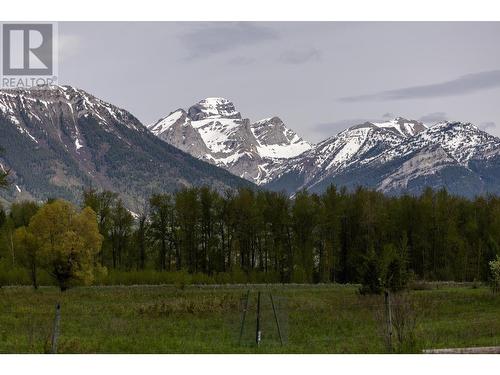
{"x": 338, "y": 236}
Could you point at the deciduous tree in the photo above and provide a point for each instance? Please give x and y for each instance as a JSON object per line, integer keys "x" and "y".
{"x": 69, "y": 240}
{"x": 28, "y": 252}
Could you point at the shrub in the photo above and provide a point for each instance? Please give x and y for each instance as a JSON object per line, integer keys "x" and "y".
{"x": 371, "y": 278}
{"x": 495, "y": 274}
{"x": 202, "y": 278}
{"x": 238, "y": 276}
{"x": 10, "y": 275}
{"x": 15, "y": 275}
{"x": 395, "y": 273}
{"x": 396, "y": 279}
{"x": 299, "y": 275}
{"x": 222, "y": 278}
{"x": 404, "y": 321}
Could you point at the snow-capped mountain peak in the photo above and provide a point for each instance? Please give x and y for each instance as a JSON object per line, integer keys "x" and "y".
{"x": 60, "y": 139}
{"x": 212, "y": 108}
{"x": 394, "y": 156}
{"x": 162, "y": 125}
{"x": 213, "y": 130}
{"x": 407, "y": 128}
{"x": 76, "y": 129}
{"x": 462, "y": 140}
{"x": 50, "y": 104}
{"x": 275, "y": 140}
{"x": 34, "y": 101}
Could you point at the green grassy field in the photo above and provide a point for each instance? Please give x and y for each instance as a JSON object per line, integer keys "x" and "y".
{"x": 313, "y": 319}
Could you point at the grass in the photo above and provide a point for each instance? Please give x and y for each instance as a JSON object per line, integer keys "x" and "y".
{"x": 313, "y": 319}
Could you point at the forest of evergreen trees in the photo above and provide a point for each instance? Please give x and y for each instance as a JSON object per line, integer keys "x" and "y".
{"x": 332, "y": 237}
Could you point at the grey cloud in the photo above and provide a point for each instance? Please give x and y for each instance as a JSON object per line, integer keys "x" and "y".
{"x": 300, "y": 94}
{"x": 241, "y": 61}
{"x": 215, "y": 38}
{"x": 488, "y": 125}
{"x": 68, "y": 46}
{"x": 388, "y": 115}
{"x": 300, "y": 56}
{"x": 434, "y": 117}
{"x": 460, "y": 86}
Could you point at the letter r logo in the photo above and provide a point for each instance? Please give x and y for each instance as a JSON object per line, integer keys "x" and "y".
{"x": 27, "y": 49}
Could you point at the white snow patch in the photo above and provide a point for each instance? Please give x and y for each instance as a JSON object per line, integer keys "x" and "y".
{"x": 284, "y": 151}
{"x": 294, "y": 145}
{"x": 405, "y": 128}
{"x": 216, "y": 107}
{"x": 163, "y": 125}
{"x": 25, "y": 131}
{"x": 78, "y": 145}
{"x": 215, "y": 133}
{"x": 345, "y": 146}
{"x": 229, "y": 160}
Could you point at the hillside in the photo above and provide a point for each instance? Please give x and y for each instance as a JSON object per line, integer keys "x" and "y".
{"x": 59, "y": 140}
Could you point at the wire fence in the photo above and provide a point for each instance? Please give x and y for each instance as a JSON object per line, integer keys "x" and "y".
{"x": 263, "y": 319}
{"x": 252, "y": 321}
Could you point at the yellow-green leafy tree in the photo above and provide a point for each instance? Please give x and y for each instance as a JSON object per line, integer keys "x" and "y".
{"x": 28, "y": 249}
{"x": 69, "y": 241}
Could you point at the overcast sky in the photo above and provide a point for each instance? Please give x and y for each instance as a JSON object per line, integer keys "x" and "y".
{"x": 319, "y": 77}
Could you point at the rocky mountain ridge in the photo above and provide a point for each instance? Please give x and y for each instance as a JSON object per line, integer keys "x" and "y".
{"x": 59, "y": 140}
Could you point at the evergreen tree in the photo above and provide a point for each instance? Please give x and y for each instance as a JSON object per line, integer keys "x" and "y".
{"x": 371, "y": 279}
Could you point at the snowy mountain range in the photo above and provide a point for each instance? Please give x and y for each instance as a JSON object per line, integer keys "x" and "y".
{"x": 59, "y": 140}
{"x": 397, "y": 156}
{"x": 212, "y": 130}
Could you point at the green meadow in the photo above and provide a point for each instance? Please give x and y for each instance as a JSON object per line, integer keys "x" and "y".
{"x": 207, "y": 319}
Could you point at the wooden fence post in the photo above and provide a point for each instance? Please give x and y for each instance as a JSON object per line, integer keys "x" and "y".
{"x": 388, "y": 316}
{"x": 55, "y": 330}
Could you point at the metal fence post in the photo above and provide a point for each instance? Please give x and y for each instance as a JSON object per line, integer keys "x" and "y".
{"x": 244, "y": 316}
{"x": 276, "y": 318}
{"x": 258, "y": 334}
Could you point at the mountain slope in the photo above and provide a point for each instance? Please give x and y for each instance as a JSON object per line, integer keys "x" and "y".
{"x": 338, "y": 154}
{"x": 460, "y": 152}
{"x": 396, "y": 156}
{"x": 60, "y": 139}
{"x": 399, "y": 156}
{"x": 213, "y": 130}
